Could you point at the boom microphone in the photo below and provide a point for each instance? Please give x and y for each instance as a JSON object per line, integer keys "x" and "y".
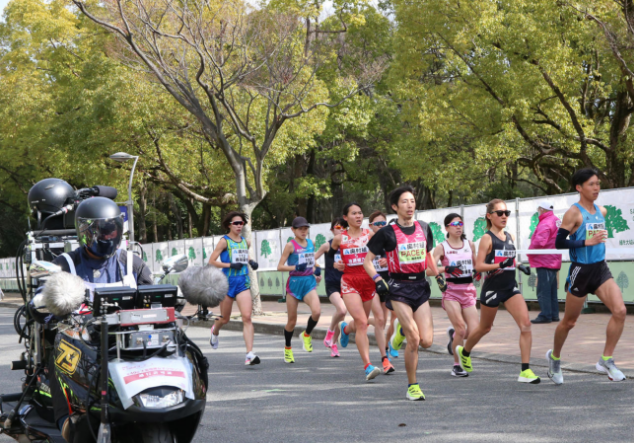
{"x": 206, "y": 286}
{"x": 63, "y": 293}
{"x": 105, "y": 191}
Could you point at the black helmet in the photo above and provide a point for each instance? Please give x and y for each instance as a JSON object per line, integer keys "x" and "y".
{"x": 50, "y": 195}
{"x": 99, "y": 225}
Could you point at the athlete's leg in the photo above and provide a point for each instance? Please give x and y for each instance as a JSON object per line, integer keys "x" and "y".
{"x": 225, "y": 314}
{"x": 360, "y": 312}
{"x": 454, "y": 312}
{"x": 572, "y": 311}
{"x": 245, "y": 304}
{"x": 379, "y": 324}
{"x": 487, "y": 316}
{"x": 291, "y": 312}
{"x": 425, "y": 323}
{"x": 312, "y": 300}
{"x": 472, "y": 318}
{"x": 409, "y": 326}
{"x": 516, "y": 306}
{"x": 610, "y": 294}
{"x": 339, "y": 315}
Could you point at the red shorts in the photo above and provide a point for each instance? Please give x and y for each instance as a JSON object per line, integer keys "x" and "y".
{"x": 360, "y": 284}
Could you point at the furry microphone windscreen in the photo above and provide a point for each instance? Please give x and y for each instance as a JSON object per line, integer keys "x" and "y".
{"x": 63, "y": 293}
{"x": 206, "y": 286}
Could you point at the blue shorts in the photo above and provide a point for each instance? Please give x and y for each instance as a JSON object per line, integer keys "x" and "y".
{"x": 238, "y": 284}
{"x": 298, "y": 287}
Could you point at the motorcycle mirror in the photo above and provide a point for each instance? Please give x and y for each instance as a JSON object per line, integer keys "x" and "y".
{"x": 175, "y": 263}
{"x": 41, "y": 268}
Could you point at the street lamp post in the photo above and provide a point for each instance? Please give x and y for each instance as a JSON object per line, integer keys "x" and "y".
{"x": 122, "y": 157}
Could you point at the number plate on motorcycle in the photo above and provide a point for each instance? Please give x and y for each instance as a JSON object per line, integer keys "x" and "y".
{"x": 145, "y": 316}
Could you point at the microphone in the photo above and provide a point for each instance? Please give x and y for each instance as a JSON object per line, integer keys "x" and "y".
{"x": 63, "y": 293}
{"x": 105, "y": 191}
{"x": 206, "y": 286}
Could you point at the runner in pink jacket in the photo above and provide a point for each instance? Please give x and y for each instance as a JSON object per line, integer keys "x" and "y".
{"x": 548, "y": 265}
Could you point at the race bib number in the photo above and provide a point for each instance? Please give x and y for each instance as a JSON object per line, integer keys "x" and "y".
{"x": 377, "y": 265}
{"x": 240, "y": 256}
{"x": 501, "y": 255}
{"x": 337, "y": 257}
{"x": 308, "y": 258}
{"x": 411, "y": 253}
{"x": 355, "y": 256}
{"x": 594, "y": 228}
{"x": 465, "y": 265}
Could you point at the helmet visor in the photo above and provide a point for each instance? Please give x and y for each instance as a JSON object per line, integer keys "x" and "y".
{"x": 101, "y": 237}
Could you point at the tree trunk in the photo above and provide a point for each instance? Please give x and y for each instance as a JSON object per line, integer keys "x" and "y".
{"x": 206, "y": 219}
{"x": 177, "y": 215}
{"x": 618, "y": 135}
{"x": 142, "y": 211}
{"x": 255, "y": 284}
{"x": 154, "y": 224}
{"x": 190, "y": 222}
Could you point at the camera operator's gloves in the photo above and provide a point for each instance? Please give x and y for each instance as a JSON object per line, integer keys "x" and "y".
{"x": 477, "y": 276}
{"x": 236, "y": 266}
{"x": 442, "y": 284}
{"x": 301, "y": 268}
{"x": 454, "y": 271}
{"x": 508, "y": 261}
{"x": 317, "y": 271}
{"x": 382, "y": 288}
{"x": 254, "y": 265}
{"x": 525, "y": 269}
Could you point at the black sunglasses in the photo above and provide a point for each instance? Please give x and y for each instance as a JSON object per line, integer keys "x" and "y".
{"x": 237, "y": 223}
{"x": 501, "y": 213}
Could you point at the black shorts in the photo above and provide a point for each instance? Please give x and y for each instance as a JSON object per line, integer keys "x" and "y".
{"x": 412, "y": 293}
{"x": 584, "y": 279}
{"x": 492, "y": 297}
{"x": 332, "y": 287}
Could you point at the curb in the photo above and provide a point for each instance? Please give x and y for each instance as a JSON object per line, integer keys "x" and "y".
{"x": 320, "y": 334}
{"x": 9, "y": 305}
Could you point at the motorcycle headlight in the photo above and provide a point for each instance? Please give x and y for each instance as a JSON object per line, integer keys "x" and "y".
{"x": 153, "y": 401}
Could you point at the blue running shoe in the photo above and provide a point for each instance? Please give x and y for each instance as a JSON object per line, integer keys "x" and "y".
{"x": 343, "y": 338}
{"x": 391, "y": 352}
{"x": 371, "y": 372}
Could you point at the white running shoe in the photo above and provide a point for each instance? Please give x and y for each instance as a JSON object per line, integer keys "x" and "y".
{"x": 608, "y": 366}
{"x": 251, "y": 359}
{"x": 213, "y": 341}
{"x": 554, "y": 369}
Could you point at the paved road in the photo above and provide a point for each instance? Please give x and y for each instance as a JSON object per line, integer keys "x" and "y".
{"x": 319, "y": 399}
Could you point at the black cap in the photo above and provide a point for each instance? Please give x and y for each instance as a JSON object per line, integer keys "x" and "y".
{"x": 300, "y": 222}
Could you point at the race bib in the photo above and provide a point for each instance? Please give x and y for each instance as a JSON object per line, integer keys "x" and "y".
{"x": 501, "y": 255}
{"x": 337, "y": 257}
{"x": 308, "y": 258}
{"x": 411, "y": 253}
{"x": 465, "y": 265}
{"x": 594, "y": 228}
{"x": 377, "y": 266}
{"x": 355, "y": 256}
{"x": 240, "y": 256}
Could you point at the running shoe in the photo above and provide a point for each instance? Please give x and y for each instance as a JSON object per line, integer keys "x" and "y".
{"x": 213, "y": 340}
{"x": 328, "y": 339}
{"x": 457, "y": 371}
{"x": 251, "y": 359}
{"x": 450, "y": 332}
{"x": 414, "y": 393}
{"x": 288, "y": 356}
{"x": 465, "y": 362}
{"x": 608, "y": 366}
{"x": 307, "y": 342}
{"x": 371, "y": 372}
{"x": 397, "y": 337}
{"x": 528, "y": 376}
{"x": 387, "y": 367}
{"x": 393, "y": 353}
{"x": 554, "y": 369}
{"x": 334, "y": 350}
{"x": 343, "y": 338}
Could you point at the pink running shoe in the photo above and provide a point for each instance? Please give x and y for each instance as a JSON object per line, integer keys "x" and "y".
{"x": 334, "y": 351}
{"x": 328, "y": 339}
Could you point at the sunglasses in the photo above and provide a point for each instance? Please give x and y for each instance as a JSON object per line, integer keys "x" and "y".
{"x": 379, "y": 224}
{"x": 338, "y": 227}
{"x": 501, "y": 213}
{"x": 237, "y": 223}
{"x": 457, "y": 224}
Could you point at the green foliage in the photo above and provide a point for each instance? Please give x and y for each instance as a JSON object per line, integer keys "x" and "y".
{"x": 479, "y": 228}
{"x": 614, "y": 221}
{"x": 534, "y": 223}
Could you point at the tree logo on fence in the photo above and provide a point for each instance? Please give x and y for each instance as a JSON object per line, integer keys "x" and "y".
{"x": 289, "y": 239}
{"x": 270, "y": 283}
{"x": 262, "y": 281}
{"x": 319, "y": 240}
{"x": 204, "y": 254}
{"x": 534, "y": 223}
{"x": 277, "y": 282}
{"x": 159, "y": 255}
{"x": 479, "y": 228}
{"x": 144, "y": 257}
{"x": 436, "y": 232}
{"x": 174, "y": 252}
{"x": 192, "y": 253}
{"x": 614, "y": 221}
{"x": 532, "y": 281}
{"x": 265, "y": 249}
{"x": 622, "y": 281}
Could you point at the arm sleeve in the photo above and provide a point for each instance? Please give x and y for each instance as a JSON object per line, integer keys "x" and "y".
{"x": 562, "y": 242}
{"x": 376, "y": 245}
{"x": 331, "y": 252}
{"x": 430, "y": 236}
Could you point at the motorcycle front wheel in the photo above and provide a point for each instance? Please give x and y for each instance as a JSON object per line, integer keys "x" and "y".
{"x": 146, "y": 433}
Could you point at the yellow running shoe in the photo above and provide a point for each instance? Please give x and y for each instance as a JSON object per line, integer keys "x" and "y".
{"x": 414, "y": 393}
{"x": 465, "y": 362}
{"x": 528, "y": 376}
{"x": 288, "y": 356}
{"x": 397, "y": 337}
{"x": 308, "y": 342}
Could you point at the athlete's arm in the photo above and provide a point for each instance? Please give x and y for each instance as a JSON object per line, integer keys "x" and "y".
{"x": 368, "y": 265}
{"x": 213, "y": 260}
{"x": 477, "y": 275}
{"x": 282, "y": 266}
{"x": 486, "y": 244}
{"x": 437, "y": 256}
{"x": 322, "y": 250}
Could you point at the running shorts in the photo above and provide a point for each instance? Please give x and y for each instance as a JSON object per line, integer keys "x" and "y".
{"x": 385, "y": 276}
{"x": 492, "y": 297}
{"x": 300, "y": 286}
{"x": 238, "y": 284}
{"x": 413, "y": 293}
{"x": 465, "y": 294}
{"x": 360, "y": 284}
{"x": 332, "y": 287}
{"x": 584, "y": 279}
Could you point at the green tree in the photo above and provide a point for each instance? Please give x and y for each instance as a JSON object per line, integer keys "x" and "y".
{"x": 144, "y": 257}
{"x": 479, "y": 228}
{"x": 174, "y": 252}
{"x": 622, "y": 281}
{"x": 319, "y": 240}
{"x": 192, "y": 253}
{"x": 614, "y": 221}
{"x": 159, "y": 256}
{"x": 265, "y": 248}
{"x": 534, "y": 223}
{"x": 436, "y": 231}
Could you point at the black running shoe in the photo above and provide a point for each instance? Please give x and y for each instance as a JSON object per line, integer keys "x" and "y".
{"x": 457, "y": 371}
{"x": 450, "y": 332}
